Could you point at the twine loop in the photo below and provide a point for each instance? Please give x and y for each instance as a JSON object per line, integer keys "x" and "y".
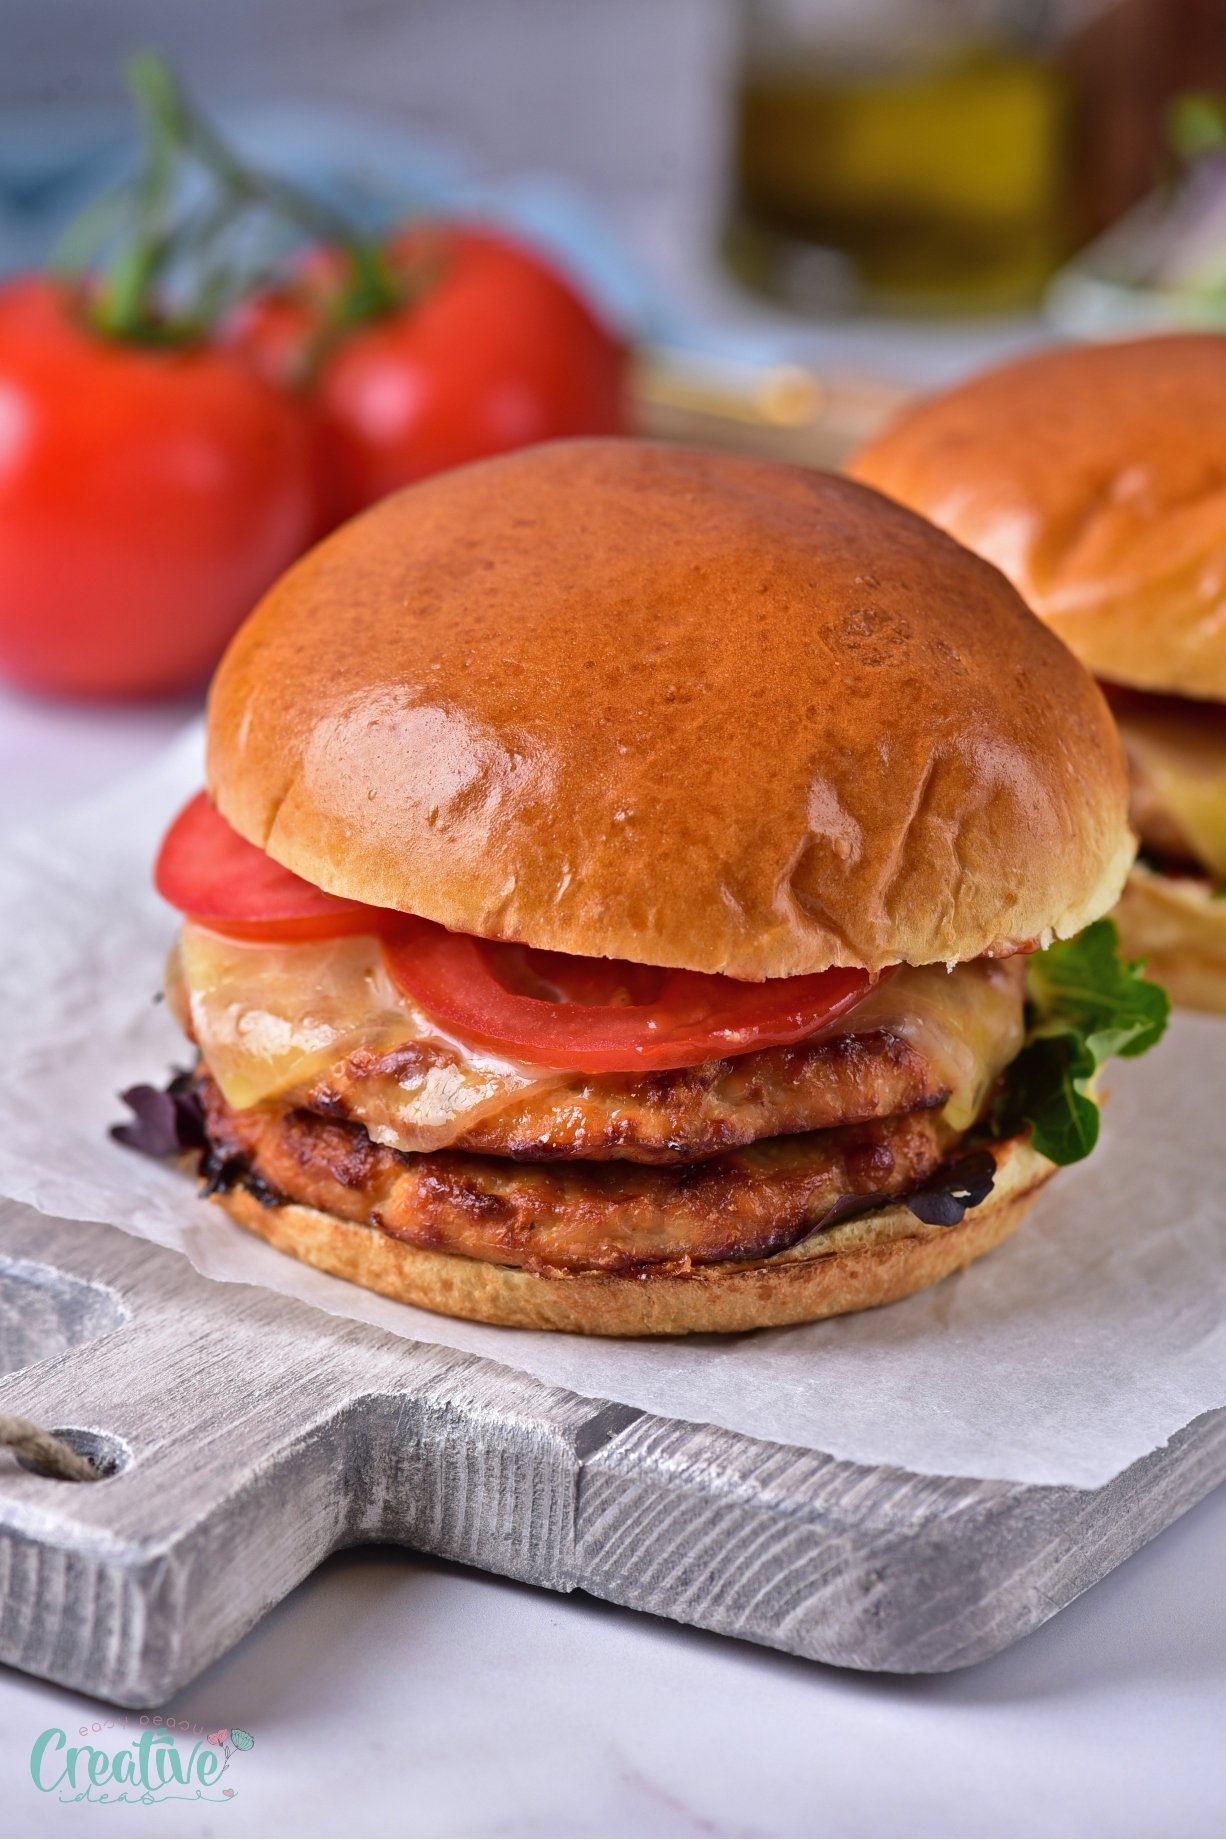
{"x": 49, "y": 1455}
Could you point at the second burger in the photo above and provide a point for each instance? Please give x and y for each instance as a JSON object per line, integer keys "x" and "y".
{"x": 1095, "y": 477}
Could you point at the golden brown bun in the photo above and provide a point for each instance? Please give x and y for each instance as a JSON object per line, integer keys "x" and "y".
{"x": 1095, "y": 477}
{"x": 672, "y": 706}
{"x": 876, "y": 1259}
{"x": 1177, "y": 924}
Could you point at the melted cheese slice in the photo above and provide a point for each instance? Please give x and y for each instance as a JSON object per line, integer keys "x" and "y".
{"x": 1182, "y": 752}
{"x": 272, "y": 1020}
{"x": 968, "y": 1022}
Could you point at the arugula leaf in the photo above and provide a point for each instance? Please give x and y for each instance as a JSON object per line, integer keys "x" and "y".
{"x": 1083, "y": 984}
{"x": 1084, "y": 1005}
{"x": 1045, "y": 1089}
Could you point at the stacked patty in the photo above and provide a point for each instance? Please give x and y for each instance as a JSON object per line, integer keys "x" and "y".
{"x": 735, "y": 1159}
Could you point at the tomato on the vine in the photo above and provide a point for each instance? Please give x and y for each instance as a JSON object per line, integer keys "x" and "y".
{"x": 148, "y": 495}
{"x": 156, "y": 474}
{"x": 487, "y": 349}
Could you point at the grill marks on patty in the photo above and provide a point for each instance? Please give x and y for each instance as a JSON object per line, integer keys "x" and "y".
{"x": 661, "y": 1118}
{"x": 742, "y": 1204}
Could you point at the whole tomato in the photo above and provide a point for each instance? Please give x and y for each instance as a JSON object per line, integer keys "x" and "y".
{"x": 486, "y": 349}
{"x": 148, "y": 495}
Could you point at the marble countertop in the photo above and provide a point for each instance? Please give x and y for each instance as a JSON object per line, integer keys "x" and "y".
{"x": 397, "y": 1695}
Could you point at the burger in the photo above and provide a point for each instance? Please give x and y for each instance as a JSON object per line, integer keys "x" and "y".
{"x": 641, "y": 891}
{"x": 1096, "y": 479}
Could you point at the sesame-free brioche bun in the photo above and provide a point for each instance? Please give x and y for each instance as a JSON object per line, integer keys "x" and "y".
{"x": 641, "y": 702}
{"x": 1095, "y": 478}
{"x": 873, "y": 1259}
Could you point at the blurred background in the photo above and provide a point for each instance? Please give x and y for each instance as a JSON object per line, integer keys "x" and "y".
{"x": 940, "y": 157}
{"x": 787, "y": 215}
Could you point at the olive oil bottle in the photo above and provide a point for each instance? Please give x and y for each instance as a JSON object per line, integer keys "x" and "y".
{"x": 901, "y": 154}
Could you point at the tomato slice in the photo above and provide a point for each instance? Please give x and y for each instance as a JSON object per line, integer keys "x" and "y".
{"x": 211, "y": 874}
{"x": 596, "y": 1015}
{"x": 592, "y": 1015}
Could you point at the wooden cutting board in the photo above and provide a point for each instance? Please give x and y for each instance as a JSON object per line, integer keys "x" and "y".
{"x": 250, "y": 1436}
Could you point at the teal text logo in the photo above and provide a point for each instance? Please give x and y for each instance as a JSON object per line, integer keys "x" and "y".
{"x": 164, "y": 1760}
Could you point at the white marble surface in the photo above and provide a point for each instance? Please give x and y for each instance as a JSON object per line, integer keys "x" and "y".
{"x": 395, "y": 1695}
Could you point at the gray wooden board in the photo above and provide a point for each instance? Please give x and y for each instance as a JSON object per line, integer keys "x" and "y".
{"x": 255, "y": 1435}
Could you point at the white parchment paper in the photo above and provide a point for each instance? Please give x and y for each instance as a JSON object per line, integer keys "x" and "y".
{"x": 1086, "y": 1341}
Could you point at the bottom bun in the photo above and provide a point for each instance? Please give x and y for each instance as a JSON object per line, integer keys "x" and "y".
{"x": 1177, "y": 924}
{"x": 876, "y": 1258}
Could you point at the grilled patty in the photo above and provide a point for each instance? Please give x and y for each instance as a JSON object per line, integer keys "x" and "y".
{"x": 575, "y": 1216}
{"x": 667, "y": 1117}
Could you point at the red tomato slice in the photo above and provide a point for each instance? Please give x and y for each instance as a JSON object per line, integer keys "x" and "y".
{"x": 604, "y": 1015}
{"x": 593, "y": 1015}
{"x": 206, "y": 870}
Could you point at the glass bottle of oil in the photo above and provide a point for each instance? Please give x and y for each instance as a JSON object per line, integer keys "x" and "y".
{"x": 901, "y": 154}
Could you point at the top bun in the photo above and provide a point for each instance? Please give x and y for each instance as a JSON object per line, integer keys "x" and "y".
{"x": 1095, "y": 477}
{"x": 657, "y": 704}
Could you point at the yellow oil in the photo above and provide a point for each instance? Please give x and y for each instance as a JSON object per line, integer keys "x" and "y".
{"x": 940, "y": 188}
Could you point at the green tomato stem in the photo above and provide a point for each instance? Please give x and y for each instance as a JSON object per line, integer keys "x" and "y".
{"x": 121, "y": 254}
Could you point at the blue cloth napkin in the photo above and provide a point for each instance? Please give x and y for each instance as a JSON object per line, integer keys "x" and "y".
{"x": 54, "y": 161}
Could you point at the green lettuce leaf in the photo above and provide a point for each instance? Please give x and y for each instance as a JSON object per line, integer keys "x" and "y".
{"x": 1084, "y": 1004}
